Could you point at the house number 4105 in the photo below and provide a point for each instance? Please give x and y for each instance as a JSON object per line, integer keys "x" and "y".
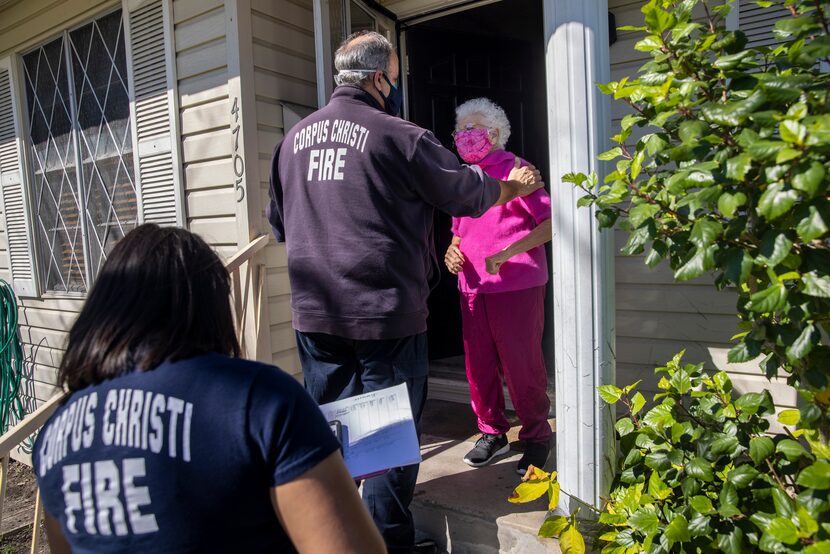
{"x": 238, "y": 160}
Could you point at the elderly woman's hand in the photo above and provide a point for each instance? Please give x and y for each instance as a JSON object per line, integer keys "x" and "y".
{"x": 454, "y": 259}
{"x": 494, "y": 262}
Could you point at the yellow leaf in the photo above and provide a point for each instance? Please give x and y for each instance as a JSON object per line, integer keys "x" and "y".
{"x": 553, "y": 526}
{"x": 571, "y": 541}
{"x": 553, "y": 495}
{"x": 789, "y": 417}
{"x": 537, "y": 474}
{"x": 528, "y": 491}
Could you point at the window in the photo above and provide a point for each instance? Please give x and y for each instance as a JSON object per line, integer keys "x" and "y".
{"x": 82, "y": 189}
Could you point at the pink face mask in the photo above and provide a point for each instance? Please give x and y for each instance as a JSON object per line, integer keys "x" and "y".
{"x": 473, "y": 144}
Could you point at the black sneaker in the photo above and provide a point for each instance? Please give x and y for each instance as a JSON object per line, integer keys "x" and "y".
{"x": 487, "y": 448}
{"x": 536, "y": 454}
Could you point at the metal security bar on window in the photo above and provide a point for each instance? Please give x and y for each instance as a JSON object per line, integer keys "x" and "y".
{"x": 81, "y": 150}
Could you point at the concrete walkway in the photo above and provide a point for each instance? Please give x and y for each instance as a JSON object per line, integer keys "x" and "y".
{"x": 466, "y": 509}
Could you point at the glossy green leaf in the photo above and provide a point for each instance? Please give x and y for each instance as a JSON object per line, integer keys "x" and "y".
{"x": 694, "y": 267}
{"x": 784, "y": 530}
{"x": 738, "y": 166}
{"x": 775, "y": 246}
{"x": 702, "y": 504}
{"x": 791, "y": 449}
{"x": 822, "y": 547}
{"x": 760, "y": 449}
{"x": 704, "y": 232}
{"x": 802, "y": 345}
{"x": 657, "y": 488}
{"x": 816, "y": 476}
{"x": 727, "y": 445}
{"x": 637, "y": 403}
{"x": 610, "y": 394}
{"x": 771, "y": 299}
{"x": 659, "y": 417}
{"x": 644, "y": 520}
{"x": 793, "y": 131}
{"x": 810, "y": 180}
{"x": 624, "y": 426}
{"x": 737, "y": 265}
{"x": 742, "y": 475}
{"x": 729, "y": 203}
{"x": 728, "y": 501}
{"x": 732, "y": 542}
{"x": 734, "y": 112}
{"x": 641, "y": 213}
{"x": 812, "y": 225}
{"x": 612, "y": 154}
{"x": 678, "y": 529}
{"x": 648, "y": 44}
{"x": 816, "y": 285}
{"x": 776, "y": 201}
{"x": 699, "y": 468}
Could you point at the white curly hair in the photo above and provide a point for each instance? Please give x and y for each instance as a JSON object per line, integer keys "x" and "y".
{"x": 493, "y": 115}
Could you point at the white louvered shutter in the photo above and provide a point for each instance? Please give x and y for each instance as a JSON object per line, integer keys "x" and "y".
{"x": 15, "y": 210}
{"x": 757, "y": 22}
{"x": 152, "y": 83}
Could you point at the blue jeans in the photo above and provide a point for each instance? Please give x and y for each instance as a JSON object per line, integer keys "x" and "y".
{"x": 335, "y": 368}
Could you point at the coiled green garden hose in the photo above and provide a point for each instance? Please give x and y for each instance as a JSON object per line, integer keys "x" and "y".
{"x": 11, "y": 361}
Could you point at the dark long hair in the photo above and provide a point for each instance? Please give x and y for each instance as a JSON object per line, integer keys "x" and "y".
{"x": 162, "y": 294}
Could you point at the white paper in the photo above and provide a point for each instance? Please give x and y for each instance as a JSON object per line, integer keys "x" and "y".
{"x": 378, "y": 430}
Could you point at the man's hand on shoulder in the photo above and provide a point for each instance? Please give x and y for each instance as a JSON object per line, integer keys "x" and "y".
{"x": 521, "y": 182}
{"x": 528, "y": 178}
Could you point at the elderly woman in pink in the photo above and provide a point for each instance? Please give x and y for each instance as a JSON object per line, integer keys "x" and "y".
{"x": 502, "y": 273}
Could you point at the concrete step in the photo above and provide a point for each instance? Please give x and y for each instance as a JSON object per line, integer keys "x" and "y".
{"x": 465, "y": 509}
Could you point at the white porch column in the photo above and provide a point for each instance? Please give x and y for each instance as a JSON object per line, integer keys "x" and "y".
{"x": 577, "y": 58}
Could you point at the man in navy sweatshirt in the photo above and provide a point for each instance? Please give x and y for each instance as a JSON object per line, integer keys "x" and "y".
{"x": 353, "y": 190}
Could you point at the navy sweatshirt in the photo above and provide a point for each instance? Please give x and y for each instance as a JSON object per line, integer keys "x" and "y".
{"x": 353, "y": 192}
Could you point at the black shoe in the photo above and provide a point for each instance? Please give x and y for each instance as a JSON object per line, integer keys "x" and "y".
{"x": 536, "y": 454}
{"x": 487, "y": 448}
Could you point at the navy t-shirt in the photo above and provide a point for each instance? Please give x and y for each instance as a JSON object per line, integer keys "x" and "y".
{"x": 180, "y": 458}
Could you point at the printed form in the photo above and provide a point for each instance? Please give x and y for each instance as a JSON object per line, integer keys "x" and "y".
{"x": 378, "y": 431}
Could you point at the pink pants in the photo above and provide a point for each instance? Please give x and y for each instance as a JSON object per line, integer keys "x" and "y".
{"x": 503, "y": 341}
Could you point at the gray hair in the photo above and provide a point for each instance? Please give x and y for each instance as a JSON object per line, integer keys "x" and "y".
{"x": 360, "y": 55}
{"x": 492, "y": 114}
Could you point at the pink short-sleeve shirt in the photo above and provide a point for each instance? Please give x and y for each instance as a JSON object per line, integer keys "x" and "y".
{"x": 498, "y": 228}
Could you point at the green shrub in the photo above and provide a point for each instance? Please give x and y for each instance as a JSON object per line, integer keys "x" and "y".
{"x": 699, "y": 473}
{"x": 731, "y": 177}
{"x": 730, "y": 182}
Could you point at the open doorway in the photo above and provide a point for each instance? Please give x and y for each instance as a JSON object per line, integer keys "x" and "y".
{"x": 496, "y": 51}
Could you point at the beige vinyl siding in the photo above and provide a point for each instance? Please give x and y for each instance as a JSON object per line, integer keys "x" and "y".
{"x": 284, "y": 73}
{"x": 205, "y": 112}
{"x": 656, "y": 317}
{"x": 44, "y": 322}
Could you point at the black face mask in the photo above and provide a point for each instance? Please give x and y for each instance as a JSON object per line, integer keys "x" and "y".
{"x": 394, "y": 100}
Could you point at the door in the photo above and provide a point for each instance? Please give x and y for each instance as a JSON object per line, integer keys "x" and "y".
{"x": 334, "y": 20}
{"x": 448, "y": 64}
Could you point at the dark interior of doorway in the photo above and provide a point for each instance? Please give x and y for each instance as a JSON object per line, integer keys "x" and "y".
{"x": 495, "y": 51}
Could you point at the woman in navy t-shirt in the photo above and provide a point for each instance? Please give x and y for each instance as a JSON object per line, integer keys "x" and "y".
{"x": 168, "y": 442}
